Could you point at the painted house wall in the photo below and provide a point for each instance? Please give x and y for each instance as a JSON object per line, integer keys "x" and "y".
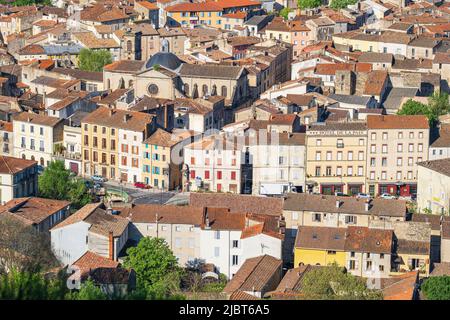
{"x": 70, "y": 242}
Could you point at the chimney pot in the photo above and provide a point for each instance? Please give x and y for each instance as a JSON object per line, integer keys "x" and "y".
{"x": 111, "y": 246}
{"x": 338, "y": 203}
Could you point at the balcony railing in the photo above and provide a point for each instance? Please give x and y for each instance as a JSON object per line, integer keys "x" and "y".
{"x": 68, "y": 155}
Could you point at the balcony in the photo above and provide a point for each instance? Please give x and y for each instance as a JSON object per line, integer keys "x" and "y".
{"x": 68, "y": 155}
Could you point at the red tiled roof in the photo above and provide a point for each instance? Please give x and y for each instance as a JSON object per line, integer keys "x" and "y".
{"x": 226, "y": 4}
{"x": 195, "y": 7}
{"x": 148, "y": 5}
{"x": 397, "y": 122}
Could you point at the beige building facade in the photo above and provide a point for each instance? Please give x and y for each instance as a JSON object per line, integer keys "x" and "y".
{"x": 395, "y": 145}
{"x": 336, "y": 157}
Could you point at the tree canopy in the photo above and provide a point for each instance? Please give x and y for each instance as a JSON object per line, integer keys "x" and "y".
{"x": 340, "y": 4}
{"x": 333, "y": 283}
{"x": 22, "y": 248}
{"x": 20, "y": 3}
{"x": 437, "y": 288}
{"x": 438, "y": 105}
{"x": 285, "y": 13}
{"x": 88, "y": 291}
{"x": 156, "y": 267}
{"x": 309, "y": 4}
{"x": 17, "y": 285}
{"x": 57, "y": 182}
{"x": 94, "y": 60}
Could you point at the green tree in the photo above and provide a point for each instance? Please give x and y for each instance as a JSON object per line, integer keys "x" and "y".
{"x": 333, "y": 282}
{"x": 309, "y": 4}
{"x": 438, "y": 105}
{"x": 20, "y": 3}
{"x": 437, "y": 288}
{"x": 285, "y": 13}
{"x": 94, "y": 60}
{"x": 57, "y": 182}
{"x": 88, "y": 291}
{"x": 16, "y": 285}
{"x": 340, "y": 4}
{"x": 156, "y": 267}
{"x": 412, "y": 107}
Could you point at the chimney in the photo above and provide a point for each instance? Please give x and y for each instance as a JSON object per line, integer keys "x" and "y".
{"x": 338, "y": 203}
{"x": 125, "y": 117}
{"x": 205, "y": 214}
{"x": 366, "y": 206}
{"x": 111, "y": 246}
{"x": 111, "y": 112}
{"x": 166, "y": 117}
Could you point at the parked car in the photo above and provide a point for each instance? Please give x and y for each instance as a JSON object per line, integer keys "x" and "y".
{"x": 98, "y": 178}
{"x": 97, "y": 185}
{"x": 141, "y": 185}
{"x": 387, "y": 196}
{"x": 340, "y": 194}
{"x": 363, "y": 196}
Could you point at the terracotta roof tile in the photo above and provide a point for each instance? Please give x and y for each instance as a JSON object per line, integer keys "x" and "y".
{"x": 33, "y": 209}
{"x": 10, "y": 165}
{"x": 397, "y": 122}
{"x": 238, "y": 203}
{"x": 255, "y": 275}
{"x": 37, "y": 119}
{"x": 327, "y": 204}
{"x": 121, "y": 119}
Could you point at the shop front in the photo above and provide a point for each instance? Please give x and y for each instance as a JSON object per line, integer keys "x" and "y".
{"x": 398, "y": 189}
{"x": 331, "y": 189}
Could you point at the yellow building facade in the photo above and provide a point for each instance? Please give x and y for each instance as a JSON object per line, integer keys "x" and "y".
{"x": 318, "y": 257}
{"x": 99, "y": 150}
{"x": 188, "y": 14}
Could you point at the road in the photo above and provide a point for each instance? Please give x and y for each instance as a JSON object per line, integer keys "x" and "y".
{"x": 143, "y": 196}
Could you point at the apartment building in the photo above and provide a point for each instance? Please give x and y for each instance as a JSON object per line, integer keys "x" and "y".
{"x": 92, "y": 228}
{"x": 336, "y": 157}
{"x": 40, "y": 213}
{"x": 18, "y": 178}
{"x": 179, "y": 226}
{"x": 395, "y": 145}
{"x": 112, "y": 142}
{"x": 338, "y": 212}
{"x": 6, "y": 138}
{"x": 209, "y": 13}
{"x": 363, "y": 251}
{"x": 36, "y": 135}
{"x": 187, "y": 14}
{"x": 71, "y": 153}
{"x": 216, "y": 164}
{"x": 228, "y": 239}
{"x": 412, "y": 247}
{"x": 162, "y": 161}
{"x": 440, "y": 147}
{"x": 201, "y": 114}
{"x": 433, "y": 186}
{"x": 209, "y": 235}
{"x": 277, "y": 158}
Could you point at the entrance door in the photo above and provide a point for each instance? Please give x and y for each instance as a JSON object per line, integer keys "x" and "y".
{"x": 74, "y": 167}
{"x": 124, "y": 177}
